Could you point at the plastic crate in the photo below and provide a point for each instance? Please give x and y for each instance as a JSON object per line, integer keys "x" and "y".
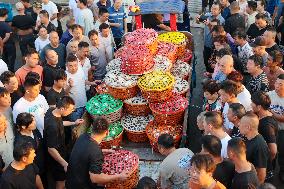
{"x": 9, "y": 7}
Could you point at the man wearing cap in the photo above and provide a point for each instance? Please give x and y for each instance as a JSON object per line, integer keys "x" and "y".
{"x": 258, "y": 27}
{"x": 23, "y": 25}
{"x": 235, "y": 21}
{"x": 258, "y": 47}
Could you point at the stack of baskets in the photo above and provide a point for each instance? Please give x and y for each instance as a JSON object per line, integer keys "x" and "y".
{"x": 118, "y": 162}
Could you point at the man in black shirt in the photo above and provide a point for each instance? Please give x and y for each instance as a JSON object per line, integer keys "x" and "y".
{"x": 85, "y": 166}
{"x": 257, "y": 150}
{"x": 54, "y": 138}
{"x": 235, "y": 113}
{"x": 270, "y": 36}
{"x": 44, "y": 20}
{"x": 225, "y": 170}
{"x": 245, "y": 175}
{"x": 235, "y": 21}
{"x": 259, "y": 27}
{"x": 268, "y": 126}
{"x": 50, "y": 69}
{"x": 22, "y": 173}
{"x": 10, "y": 83}
{"x": 9, "y": 48}
{"x": 57, "y": 91}
{"x": 29, "y": 9}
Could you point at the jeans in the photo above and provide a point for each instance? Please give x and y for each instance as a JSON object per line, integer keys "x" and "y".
{"x": 9, "y": 55}
{"x": 26, "y": 42}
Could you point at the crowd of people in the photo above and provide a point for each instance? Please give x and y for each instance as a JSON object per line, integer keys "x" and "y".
{"x": 242, "y": 122}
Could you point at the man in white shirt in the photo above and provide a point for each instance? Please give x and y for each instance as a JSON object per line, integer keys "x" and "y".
{"x": 74, "y": 10}
{"x": 106, "y": 39}
{"x": 213, "y": 124}
{"x": 32, "y": 102}
{"x": 82, "y": 55}
{"x": 103, "y": 18}
{"x": 277, "y": 109}
{"x": 251, "y": 11}
{"x": 86, "y": 18}
{"x": 52, "y": 10}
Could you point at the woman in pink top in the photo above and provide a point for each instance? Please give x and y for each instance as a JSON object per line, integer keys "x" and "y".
{"x": 273, "y": 68}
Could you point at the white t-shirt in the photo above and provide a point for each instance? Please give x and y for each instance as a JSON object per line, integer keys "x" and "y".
{"x": 224, "y": 142}
{"x": 277, "y": 105}
{"x": 51, "y": 8}
{"x": 245, "y": 99}
{"x": 37, "y": 108}
{"x": 86, "y": 20}
{"x": 75, "y": 9}
{"x": 3, "y": 66}
{"x": 108, "y": 44}
{"x": 78, "y": 91}
{"x": 86, "y": 67}
{"x": 40, "y": 44}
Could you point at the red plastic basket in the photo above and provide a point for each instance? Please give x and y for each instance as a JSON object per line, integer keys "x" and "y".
{"x": 116, "y": 163}
{"x": 171, "y": 111}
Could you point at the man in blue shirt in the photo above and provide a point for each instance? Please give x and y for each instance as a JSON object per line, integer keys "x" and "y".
{"x": 208, "y": 44}
{"x": 117, "y": 20}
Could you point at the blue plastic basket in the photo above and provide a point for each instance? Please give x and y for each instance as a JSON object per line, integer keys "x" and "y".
{"x": 9, "y": 7}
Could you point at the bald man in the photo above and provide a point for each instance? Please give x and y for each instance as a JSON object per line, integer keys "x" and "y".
{"x": 226, "y": 66}
{"x": 270, "y": 36}
{"x": 57, "y": 47}
{"x": 257, "y": 149}
{"x": 50, "y": 69}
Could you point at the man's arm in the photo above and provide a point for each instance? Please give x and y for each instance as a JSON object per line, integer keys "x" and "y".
{"x": 272, "y": 150}
{"x": 104, "y": 178}
{"x": 39, "y": 184}
{"x": 261, "y": 174}
{"x": 6, "y": 38}
{"x": 125, "y": 25}
{"x": 57, "y": 157}
{"x": 278, "y": 117}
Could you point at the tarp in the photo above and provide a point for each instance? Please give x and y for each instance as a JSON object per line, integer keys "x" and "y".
{"x": 160, "y": 7}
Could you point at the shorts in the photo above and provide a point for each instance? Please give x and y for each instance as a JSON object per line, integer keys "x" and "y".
{"x": 58, "y": 172}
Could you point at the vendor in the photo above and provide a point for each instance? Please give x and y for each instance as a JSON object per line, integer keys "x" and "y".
{"x": 85, "y": 165}
{"x": 154, "y": 21}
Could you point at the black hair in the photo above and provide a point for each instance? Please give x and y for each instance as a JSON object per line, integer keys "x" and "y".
{"x": 22, "y": 148}
{"x": 252, "y": 5}
{"x": 5, "y": 77}
{"x": 256, "y": 59}
{"x": 218, "y": 29}
{"x": 211, "y": 87}
{"x": 71, "y": 58}
{"x": 238, "y": 110}
{"x": 103, "y": 26}
{"x": 276, "y": 56}
{"x": 102, "y": 11}
{"x": 70, "y": 23}
{"x": 92, "y": 32}
{"x": 240, "y": 34}
{"x": 100, "y": 125}
{"x": 212, "y": 144}
{"x": 222, "y": 52}
{"x": 42, "y": 26}
{"x": 166, "y": 141}
{"x": 65, "y": 102}
{"x": 203, "y": 161}
{"x": 77, "y": 26}
{"x": 24, "y": 119}
{"x": 3, "y": 12}
{"x": 83, "y": 1}
{"x": 261, "y": 16}
{"x": 235, "y": 76}
{"x": 146, "y": 183}
{"x": 60, "y": 75}
{"x": 26, "y": 1}
{"x": 237, "y": 145}
{"x": 3, "y": 92}
{"x": 33, "y": 75}
{"x": 31, "y": 82}
{"x": 30, "y": 52}
{"x": 44, "y": 13}
{"x": 83, "y": 44}
{"x": 230, "y": 87}
{"x": 262, "y": 99}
